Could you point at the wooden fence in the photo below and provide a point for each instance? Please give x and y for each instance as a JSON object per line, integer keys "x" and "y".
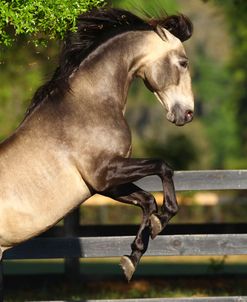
{"x": 163, "y": 245}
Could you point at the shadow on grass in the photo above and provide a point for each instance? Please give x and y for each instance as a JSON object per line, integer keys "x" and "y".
{"x": 58, "y": 288}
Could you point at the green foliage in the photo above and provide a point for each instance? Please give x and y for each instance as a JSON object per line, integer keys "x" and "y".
{"x": 236, "y": 12}
{"x": 40, "y": 18}
{"x": 178, "y": 151}
{"x": 22, "y": 71}
{"x": 151, "y": 7}
{"x": 214, "y": 93}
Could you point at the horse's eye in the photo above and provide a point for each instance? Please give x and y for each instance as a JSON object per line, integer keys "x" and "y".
{"x": 183, "y": 63}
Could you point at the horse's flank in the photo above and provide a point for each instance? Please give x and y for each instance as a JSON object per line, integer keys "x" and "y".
{"x": 44, "y": 183}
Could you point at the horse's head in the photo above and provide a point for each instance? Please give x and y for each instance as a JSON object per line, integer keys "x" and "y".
{"x": 165, "y": 72}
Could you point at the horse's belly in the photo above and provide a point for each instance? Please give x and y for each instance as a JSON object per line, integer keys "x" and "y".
{"x": 38, "y": 210}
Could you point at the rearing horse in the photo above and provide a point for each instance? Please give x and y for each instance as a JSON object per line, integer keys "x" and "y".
{"x": 74, "y": 140}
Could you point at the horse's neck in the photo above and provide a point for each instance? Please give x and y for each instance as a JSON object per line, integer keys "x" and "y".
{"x": 107, "y": 73}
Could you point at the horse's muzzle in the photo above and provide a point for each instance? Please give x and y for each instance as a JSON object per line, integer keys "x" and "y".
{"x": 180, "y": 116}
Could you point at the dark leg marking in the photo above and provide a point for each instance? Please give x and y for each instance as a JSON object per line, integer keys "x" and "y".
{"x": 168, "y": 209}
{"x": 113, "y": 176}
{"x": 126, "y": 170}
{"x": 131, "y": 194}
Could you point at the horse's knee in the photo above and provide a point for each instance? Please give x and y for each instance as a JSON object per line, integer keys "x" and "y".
{"x": 166, "y": 170}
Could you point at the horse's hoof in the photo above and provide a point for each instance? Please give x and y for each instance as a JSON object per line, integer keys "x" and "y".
{"x": 127, "y": 267}
{"x": 156, "y": 226}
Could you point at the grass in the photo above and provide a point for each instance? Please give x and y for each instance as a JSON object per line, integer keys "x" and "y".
{"x": 102, "y": 279}
{"x": 54, "y": 288}
{"x": 149, "y": 266}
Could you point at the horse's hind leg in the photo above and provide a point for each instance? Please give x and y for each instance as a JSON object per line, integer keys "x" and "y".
{"x": 131, "y": 194}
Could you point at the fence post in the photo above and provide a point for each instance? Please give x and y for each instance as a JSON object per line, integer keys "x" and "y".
{"x": 1, "y": 280}
{"x": 71, "y": 229}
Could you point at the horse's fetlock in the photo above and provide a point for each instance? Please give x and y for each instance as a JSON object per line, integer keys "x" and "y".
{"x": 171, "y": 209}
{"x": 137, "y": 245}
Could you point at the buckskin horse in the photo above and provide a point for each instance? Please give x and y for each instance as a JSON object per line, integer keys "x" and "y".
{"x": 74, "y": 140}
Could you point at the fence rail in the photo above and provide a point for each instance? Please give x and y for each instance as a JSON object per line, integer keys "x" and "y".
{"x": 200, "y": 180}
{"x": 164, "y": 245}
{"x": 116, "y": 246}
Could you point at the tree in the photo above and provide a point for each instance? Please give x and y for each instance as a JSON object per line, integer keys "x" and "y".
{"x": 40, "y": 18}
{"x": 236, "y": 15}
{"x": 26, "y": 65}
{"x": 235, "y": 12}
{"x": 151, "y": 7}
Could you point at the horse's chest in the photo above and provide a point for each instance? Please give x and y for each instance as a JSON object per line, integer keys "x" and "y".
{"x": 114, "y": 142}
{"x": 99, "y": 139}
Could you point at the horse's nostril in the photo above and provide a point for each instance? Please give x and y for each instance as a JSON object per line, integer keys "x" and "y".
{"x": 189, "y": 115}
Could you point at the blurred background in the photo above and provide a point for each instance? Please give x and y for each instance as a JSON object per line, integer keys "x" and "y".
{"x": 217, "y": 51}
{"x": 216, "y": 139}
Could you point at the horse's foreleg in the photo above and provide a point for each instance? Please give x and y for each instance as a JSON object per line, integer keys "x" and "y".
{"x": 168, "y": 209}
{"x": 126, "y": 170}
{"x": 131, "y": 194}
{"x": 117, "y": 171}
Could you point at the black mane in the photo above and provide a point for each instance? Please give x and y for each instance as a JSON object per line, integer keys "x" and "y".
{"x": 93, "y": 29}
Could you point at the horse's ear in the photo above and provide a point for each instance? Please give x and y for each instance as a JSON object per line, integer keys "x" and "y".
{"x": 180, "y": 26}
{"x": 164, "y": 34}
{"x": 161, "y": 32}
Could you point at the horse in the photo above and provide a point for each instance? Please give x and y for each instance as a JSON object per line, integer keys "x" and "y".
{"x": 74, "y": 141}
